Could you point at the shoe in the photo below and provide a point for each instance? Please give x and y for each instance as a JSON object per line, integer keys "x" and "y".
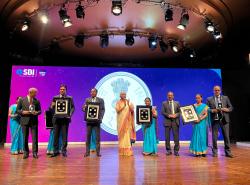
{"x": 25, "y": 156}
{"x": 229, "y": 155}
{"x": 54, "y": 155}
{"x": 98, "y": 155}
{"x": 64, "y": 154}
{"x": 203, "y": 155}
{"x": 35, "y": 156}
{"x": 169, "y": 153}
{"x": 176, "y": 154}
{"x": 215, "y": 155}
{"x": 86, "y": 155}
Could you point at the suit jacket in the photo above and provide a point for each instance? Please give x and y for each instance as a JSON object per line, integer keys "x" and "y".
{"x": 166, "y": 111}
{"x": 225, "y": 104}
{"x": 101, "y": 104}
{"x": 23, "y": 105}
{"x": 71, "y": 105}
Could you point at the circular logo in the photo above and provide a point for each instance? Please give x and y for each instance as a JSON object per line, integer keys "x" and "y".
{"x": 109, "y": 88}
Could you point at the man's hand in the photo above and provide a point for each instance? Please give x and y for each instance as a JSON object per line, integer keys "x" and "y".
{"x": 224, "y": 109}
{"x": 25, "y": 112}
{"x": 34, "y": 113}
{"x": 214, "y": 110}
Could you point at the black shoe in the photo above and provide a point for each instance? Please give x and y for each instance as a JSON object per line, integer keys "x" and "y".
{"x": 64, "y": 154}
{"x": 35, "y": 156}
{"x": 169, "y": 153}
{"x": 215, "y": 155}
{"x": 229, "y": 155}
{"x": 203, "y": 155}
{"x": 98, "y": 155}
{"x": 25, "y": 156}
{"x": 54, "y": 155}
{"x": 176, "y": 154}
{"x": 86, "y": 155}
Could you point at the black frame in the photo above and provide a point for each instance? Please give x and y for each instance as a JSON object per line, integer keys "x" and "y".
{"x": 67, "y": 112}
{"x": 138, "y": 114}
{"x": 88, "y": 106}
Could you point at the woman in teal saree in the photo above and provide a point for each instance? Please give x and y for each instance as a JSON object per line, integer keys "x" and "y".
{"x": 149, "y": 133}
{"x": 199, "y": 144}
{"x": 15, "y": 130}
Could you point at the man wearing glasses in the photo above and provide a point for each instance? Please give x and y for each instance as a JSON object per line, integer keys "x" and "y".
{"x": 220, "y": 108}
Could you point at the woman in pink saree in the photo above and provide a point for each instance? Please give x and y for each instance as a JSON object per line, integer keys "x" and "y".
{"x": 125, "y": 125}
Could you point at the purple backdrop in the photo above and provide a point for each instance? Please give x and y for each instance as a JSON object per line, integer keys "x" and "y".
{"x": 185, "y": 83}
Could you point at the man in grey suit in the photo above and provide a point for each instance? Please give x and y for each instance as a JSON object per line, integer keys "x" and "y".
{"x": 61, "y": 123}
{"x": 94, "y": 125}
{"x": 220, "y": 108}
{"x": 171, "y": 112}
{"x": 29, "y": 108}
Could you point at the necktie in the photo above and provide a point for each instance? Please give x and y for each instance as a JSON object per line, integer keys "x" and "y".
{"x": 172, "y": 107}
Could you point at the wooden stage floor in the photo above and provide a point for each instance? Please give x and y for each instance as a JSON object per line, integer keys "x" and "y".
{"x": 111, "y": 169}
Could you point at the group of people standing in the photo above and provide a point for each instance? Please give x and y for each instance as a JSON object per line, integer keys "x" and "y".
{"x": 212, "y": 115}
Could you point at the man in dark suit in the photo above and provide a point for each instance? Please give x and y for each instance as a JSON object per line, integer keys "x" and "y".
{"x": 29, "y": 108}
{"x": 61, "y": 122}
{"x": 171, "y": 112}
{"x": 220, "y": 107}
{"x": 94, "y": 125}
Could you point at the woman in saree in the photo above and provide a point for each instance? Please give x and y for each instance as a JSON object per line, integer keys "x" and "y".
{"x": 15, "y": 130}
{"x": 125, "y": 125}
{"x": 93, "y": 141}
{"x": 50, "y": 147}
{"x": 199, "y": 145}
{"x": 150, "y": 132}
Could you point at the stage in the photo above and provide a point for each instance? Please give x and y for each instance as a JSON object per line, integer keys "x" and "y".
{"x": 112, "y": 169}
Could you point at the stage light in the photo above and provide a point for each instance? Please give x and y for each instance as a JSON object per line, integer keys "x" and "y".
{"x": 64, "y": 17}
{"x": 44, "y": 18}
{"x": 174, "y": 47}
{"x": 217, "y": 34}
{"x": 25, "y": 24}
{"x": 163, "y": 46}
{"x": 116, "y": 8}
{"x": 152, "y": 42}
{"x": 191, "y": 53}
{"x": 209, "y": 26}
{"x": 169, "y": 14}
{"x": 80, "y": 14}
{"x": 129, "y": 41}
{"x": 183, "y": 21}
{"x": 104, "y": 40}
{"x": 79, "y": 40}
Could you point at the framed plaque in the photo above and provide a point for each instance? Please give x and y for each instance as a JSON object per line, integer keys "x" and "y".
{"x": 62, "y": 107}
{"x": 189, "y": 114}
{"x": 92, "y": 112}
{"x": 143, "y": 114}
{"x": 48, "y": 119}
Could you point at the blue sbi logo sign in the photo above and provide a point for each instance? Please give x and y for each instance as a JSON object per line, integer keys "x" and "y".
{"x": 26, "y": 72}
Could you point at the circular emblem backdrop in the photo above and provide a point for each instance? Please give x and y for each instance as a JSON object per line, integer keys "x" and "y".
{"x": 109, "y": 88}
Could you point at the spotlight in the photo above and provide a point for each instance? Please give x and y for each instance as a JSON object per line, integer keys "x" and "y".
{"x": 183, "y": 21}
{"x": 44, "y": 17}
{"x": 80, "y": 11}
{"x": 190, "y": 53}
{"x": 25, "y": 24}
{"x": 169, "y": 14}
{"x": 104, "y": 40}
{"x": 79, "y": 40}
{"x": 163, "y": 46}
{"x": 129, "y": 41}
{"x": 116, "y": 7}
{"x": 209, "y": 26}
{"x": 64, "y": 17}
{"x": 174, "y": 47}
{"x": 217, "y": 34}
{"x": 152, "y": 42}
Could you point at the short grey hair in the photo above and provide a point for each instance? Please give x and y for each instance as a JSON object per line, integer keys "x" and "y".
{"x": 33, "y": 89}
